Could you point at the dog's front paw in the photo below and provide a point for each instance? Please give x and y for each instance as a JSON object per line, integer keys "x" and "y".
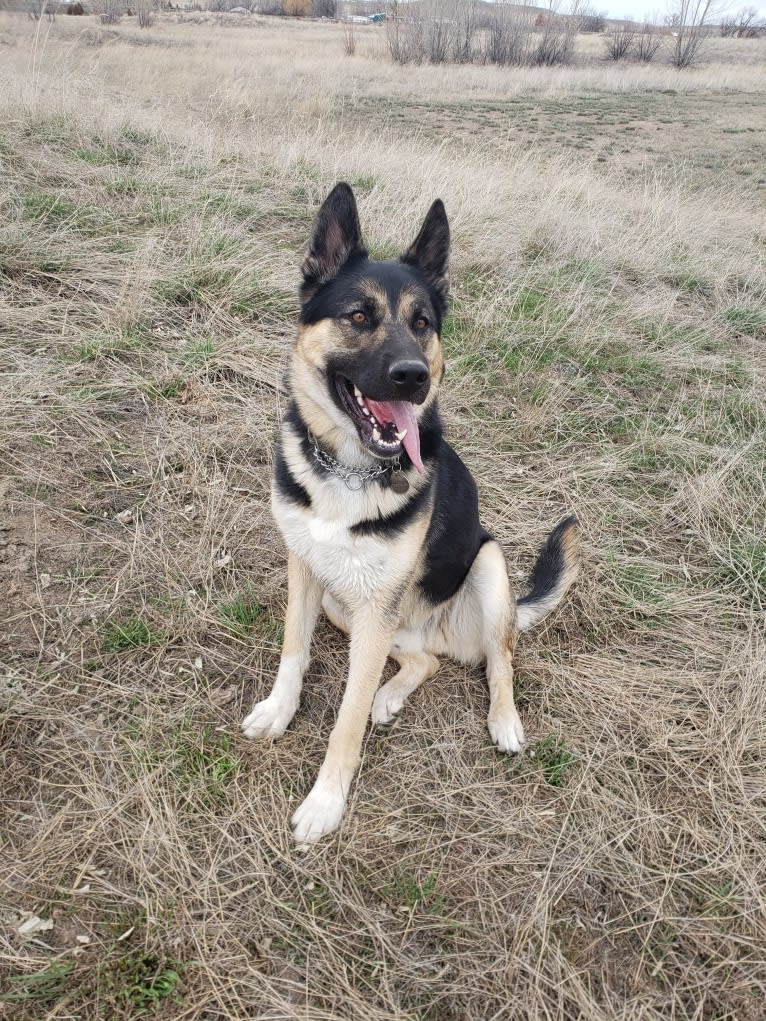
{"x": 506, "y": 730}
{"x": 319, "y": 814}
{"x": 269, "y": 718}
{"x": 387, "y": 705}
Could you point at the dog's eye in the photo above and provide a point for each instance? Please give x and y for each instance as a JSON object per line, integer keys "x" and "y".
{"x": 358, "y": 317}
{"x": 421, "y": 322}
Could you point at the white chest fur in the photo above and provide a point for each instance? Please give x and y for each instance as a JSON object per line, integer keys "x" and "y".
{"x": 353, "y": 567}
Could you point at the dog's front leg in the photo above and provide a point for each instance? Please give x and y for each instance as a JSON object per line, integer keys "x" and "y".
{"x": 372, "y": 631}
{"x": 272, "y": 716}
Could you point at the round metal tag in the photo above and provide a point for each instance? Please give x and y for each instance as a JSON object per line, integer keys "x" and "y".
{"x": 354, "y": 482}
{"x": 399, "y": 482}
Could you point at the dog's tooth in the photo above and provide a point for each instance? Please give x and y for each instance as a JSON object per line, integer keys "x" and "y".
{"x": 400, "y": 436}
{"x": 366, "y": 412}
{"x": 357, "y": 392}
{"x": 376, "y": 435}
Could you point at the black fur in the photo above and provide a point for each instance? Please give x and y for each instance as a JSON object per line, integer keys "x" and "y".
{"x": 455, "y": 534}
{"x": 346, "y": 292}
{"x": 550, "y": 564}
{"x": 398, "y": 521}
{"x": 287, "y": 484}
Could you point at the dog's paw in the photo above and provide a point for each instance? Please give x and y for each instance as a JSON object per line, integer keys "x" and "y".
{"x": 319, "y": 814}
{"x": 387, "y": 705}
{"x": 506, "y": 730}
{"x": 269, "y": 718}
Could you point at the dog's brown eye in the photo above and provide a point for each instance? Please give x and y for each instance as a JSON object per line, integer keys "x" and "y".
{"x": 358, "y": 317}
{"x": 421, "y": 322}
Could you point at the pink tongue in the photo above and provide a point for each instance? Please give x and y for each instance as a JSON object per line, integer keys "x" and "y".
{"x": 402, "y": 414}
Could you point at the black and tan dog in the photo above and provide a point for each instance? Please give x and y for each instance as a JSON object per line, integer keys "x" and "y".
{"x": 379, "y": 514}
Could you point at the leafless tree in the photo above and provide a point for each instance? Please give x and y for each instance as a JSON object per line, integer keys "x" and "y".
{"x": 39, "y": 9}
{"x": 144, "y": 11}
{"x": 689, "y": 20}
{"x": 743, "y": 23}
{"x": 647, "y": 42}
{"x": 349, "y": 38}
{"x": 592, "y": 21}
{"x": 619, "y": 40}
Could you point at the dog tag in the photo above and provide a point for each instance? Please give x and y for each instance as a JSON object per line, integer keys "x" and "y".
{"x": 399, "y": 482}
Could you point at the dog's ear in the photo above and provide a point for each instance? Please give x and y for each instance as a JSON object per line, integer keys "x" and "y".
{"x": 336, "y": 237}
{"x": 430, "y": 250}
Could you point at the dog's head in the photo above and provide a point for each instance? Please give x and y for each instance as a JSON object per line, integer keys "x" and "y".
{"x": 368, "y": 357}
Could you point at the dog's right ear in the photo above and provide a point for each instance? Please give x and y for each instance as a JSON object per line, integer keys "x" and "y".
{"x": 336, "y": 237}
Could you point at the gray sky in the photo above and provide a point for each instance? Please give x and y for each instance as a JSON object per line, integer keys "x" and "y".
{"x": 647, "y": 11}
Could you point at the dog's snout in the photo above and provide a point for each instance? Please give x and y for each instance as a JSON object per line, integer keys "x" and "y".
{"x": 408, "y": 375}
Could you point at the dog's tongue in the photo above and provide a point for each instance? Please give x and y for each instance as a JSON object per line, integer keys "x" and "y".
{"x": 402, "y": 414}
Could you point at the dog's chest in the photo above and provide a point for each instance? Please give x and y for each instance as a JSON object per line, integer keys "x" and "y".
{"x": 351, "y": 566}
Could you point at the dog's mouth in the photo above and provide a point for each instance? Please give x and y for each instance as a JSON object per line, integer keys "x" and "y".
{"x": 386, "y": 428}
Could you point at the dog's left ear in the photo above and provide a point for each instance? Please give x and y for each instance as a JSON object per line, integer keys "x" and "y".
{"x": 336, "y": 237}
{"x": 430, "y": 250}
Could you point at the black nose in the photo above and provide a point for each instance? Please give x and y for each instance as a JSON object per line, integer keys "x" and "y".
{"x": 408, "y": 375}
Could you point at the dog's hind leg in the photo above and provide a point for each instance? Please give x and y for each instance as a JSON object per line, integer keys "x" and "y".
{"x": 491, "y": 596}
{"x": 415, "y": 668}
{"x": 272, "y": 716}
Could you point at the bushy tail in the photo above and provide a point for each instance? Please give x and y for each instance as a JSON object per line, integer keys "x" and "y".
{"x": 555, "y": 569}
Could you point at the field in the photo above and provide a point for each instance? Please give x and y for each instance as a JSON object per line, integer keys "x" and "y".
{"x": 605, "y": 356}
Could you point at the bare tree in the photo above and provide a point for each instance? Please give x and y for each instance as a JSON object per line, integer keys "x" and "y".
{"x": 648, "y": 41}
{"x": 349, "y": 38}
{"x": 466, "y": 23}
{"x": 689, "y": 20}
{"x": 557, "y": 34}
{"x": 592, "y": 20}
{"x": 144, "y": 11}
{"x": 742, "y": 24}
{"x": 39, "y": 9}
{"x": 619, "y": 40}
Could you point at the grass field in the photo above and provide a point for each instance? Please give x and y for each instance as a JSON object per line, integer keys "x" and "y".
{"x": 605, "y": 356}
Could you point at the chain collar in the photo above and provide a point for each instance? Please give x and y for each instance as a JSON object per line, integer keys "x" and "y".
{"x": 354, "y": 478}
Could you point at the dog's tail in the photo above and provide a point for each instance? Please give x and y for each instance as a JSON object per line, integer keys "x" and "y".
{"x": 555, "y": 569}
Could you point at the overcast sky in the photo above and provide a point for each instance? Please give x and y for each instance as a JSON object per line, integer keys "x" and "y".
{"x": 646, "y": 10}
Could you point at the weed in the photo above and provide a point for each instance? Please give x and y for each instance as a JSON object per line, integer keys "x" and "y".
{"x": 136, "y": 983}
{"x": 409, "y": 892}
{"x": 555, "y": 759}
{"x": 241, "y": 614}
{"x": 42, "y": 986}
{"x": 131, "y": 634}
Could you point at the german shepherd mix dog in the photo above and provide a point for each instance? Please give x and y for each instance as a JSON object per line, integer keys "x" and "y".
{"x": 379, "y": 514}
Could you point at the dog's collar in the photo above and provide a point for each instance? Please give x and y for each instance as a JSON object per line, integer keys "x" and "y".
{"x": 356, "y": 478}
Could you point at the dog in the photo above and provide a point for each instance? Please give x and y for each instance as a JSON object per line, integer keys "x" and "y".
{"x": 379, "y": 514}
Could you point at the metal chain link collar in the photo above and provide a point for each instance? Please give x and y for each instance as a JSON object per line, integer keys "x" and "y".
{"x": 354, "y": 478}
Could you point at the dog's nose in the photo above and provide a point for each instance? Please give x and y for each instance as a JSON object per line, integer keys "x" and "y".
{"x": 408, "y": 375}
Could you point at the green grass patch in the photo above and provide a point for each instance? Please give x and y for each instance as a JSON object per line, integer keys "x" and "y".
{"x": 407, "y": 891}
{"x": 133, "y": 633}
{"x": 195, "y": 287}
{"x": 746, "y": 320}
{"x": 554, "y": 758}
{"x": 118, "y": 347}
{"x": 198, "y": 761}
{"x": 137, "y": 984}
{"x": 241, "y": 614}
{"x": 254, "y": 298}
{"x": 744, "y": 569}
{"x": 40, "y": 987}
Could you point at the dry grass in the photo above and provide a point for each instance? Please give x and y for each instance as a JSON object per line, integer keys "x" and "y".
{"x": 605, "y": 356}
